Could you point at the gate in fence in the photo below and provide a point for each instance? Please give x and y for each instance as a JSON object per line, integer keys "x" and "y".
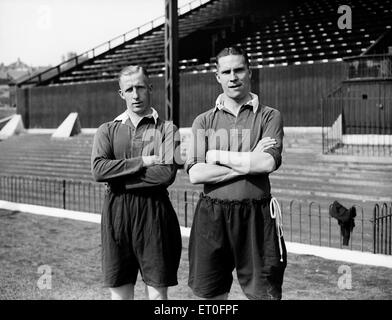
{"x": 382, "y": 229}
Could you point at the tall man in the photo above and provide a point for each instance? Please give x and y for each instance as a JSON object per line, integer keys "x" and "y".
{"x": 134, "y": 154}
{"x": 237, "y": 223}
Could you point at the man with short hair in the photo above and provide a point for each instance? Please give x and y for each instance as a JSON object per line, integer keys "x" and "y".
{"x": 135, "y": 155}
{"x": 237, "y": 223}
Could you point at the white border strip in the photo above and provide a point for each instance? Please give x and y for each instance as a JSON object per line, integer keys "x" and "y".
{"x": 336, "y": 254}
{"x": 61, "y": 213}
{"x": 346, "y": 255}
{"x": 294, "y": 130}
{"x": 367, "y": 139}
{"x": 51, "y": 212}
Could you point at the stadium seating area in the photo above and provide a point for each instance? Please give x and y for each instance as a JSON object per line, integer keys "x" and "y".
{"x": 146, "y": 49}
{"x": 307, "y": 33}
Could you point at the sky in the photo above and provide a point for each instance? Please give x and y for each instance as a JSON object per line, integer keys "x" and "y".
{"x": 40, "y": 32}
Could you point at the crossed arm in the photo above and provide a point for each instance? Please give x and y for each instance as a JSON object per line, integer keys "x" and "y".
{"x": 226, "y": 165}
{"x": 136, "y": 172}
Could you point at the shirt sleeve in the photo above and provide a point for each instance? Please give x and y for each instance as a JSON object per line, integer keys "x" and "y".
{"x": 104, "y": 166}
{"x": 163, "y": 174}
{"x": 273, "y": 128}
{"x": 197, "y": 145}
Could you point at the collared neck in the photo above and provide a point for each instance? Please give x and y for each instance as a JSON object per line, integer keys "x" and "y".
{"x": 254, "y": 102}
{"x": 134, "y": 118}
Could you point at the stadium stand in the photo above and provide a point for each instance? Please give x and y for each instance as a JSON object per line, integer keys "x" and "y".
{"x": 296, "y": 48}
{"x": 145, "y": 49}
{"x": 276, "y": 34}
{"x": 306, "y": 33}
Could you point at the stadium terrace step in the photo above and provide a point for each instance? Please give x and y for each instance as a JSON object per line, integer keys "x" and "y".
{"x": 75, "y": 176}
{"x": 55, "y": 161}
{"x": 52, "y": 162}
{"x": 312, "y": 171}
{"x": 349, "y": 180}
{"x": 300, "y": 150}
{"x": 6, "y": 112}
{"x": 111, "y": 68}
{"x": 306, "y": 194}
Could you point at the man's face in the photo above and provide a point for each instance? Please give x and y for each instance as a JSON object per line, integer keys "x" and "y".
{"x": 136, "y": 90}
{"x": 234, "y": 76}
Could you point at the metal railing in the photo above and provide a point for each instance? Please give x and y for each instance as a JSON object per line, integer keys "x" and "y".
{"x": 310, "y": 223}
{"x": 57, "y": 193}
{"x": 107, "y": 45}
{"x": 382, "y": 229}
{"x": 304, "y": 222}
{"x": 79, "y": 195}
{"x": 357, "y": 126}
{"x": 375, "y": 66}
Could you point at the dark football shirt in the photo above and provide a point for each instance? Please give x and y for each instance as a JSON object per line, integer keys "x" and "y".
{"x": 219, "y": 129}
{"x": 118, "y": 149}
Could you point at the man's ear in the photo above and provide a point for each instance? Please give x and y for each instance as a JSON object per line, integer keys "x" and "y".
{"x": 121, "y": 94}
{"x": 250, "y": 73}
{"x": 150, "y": 87}
{"x": 217, "y": 76}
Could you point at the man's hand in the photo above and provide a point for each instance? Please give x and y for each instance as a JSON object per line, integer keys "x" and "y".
{"x": 149, "y": 161}
{"x": 264, "y": 144}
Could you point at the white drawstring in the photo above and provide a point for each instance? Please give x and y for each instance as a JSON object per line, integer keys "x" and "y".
{"x": 276, "y": 214}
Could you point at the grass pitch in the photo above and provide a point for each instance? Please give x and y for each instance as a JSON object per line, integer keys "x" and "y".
{"x": 71, "y": 249}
